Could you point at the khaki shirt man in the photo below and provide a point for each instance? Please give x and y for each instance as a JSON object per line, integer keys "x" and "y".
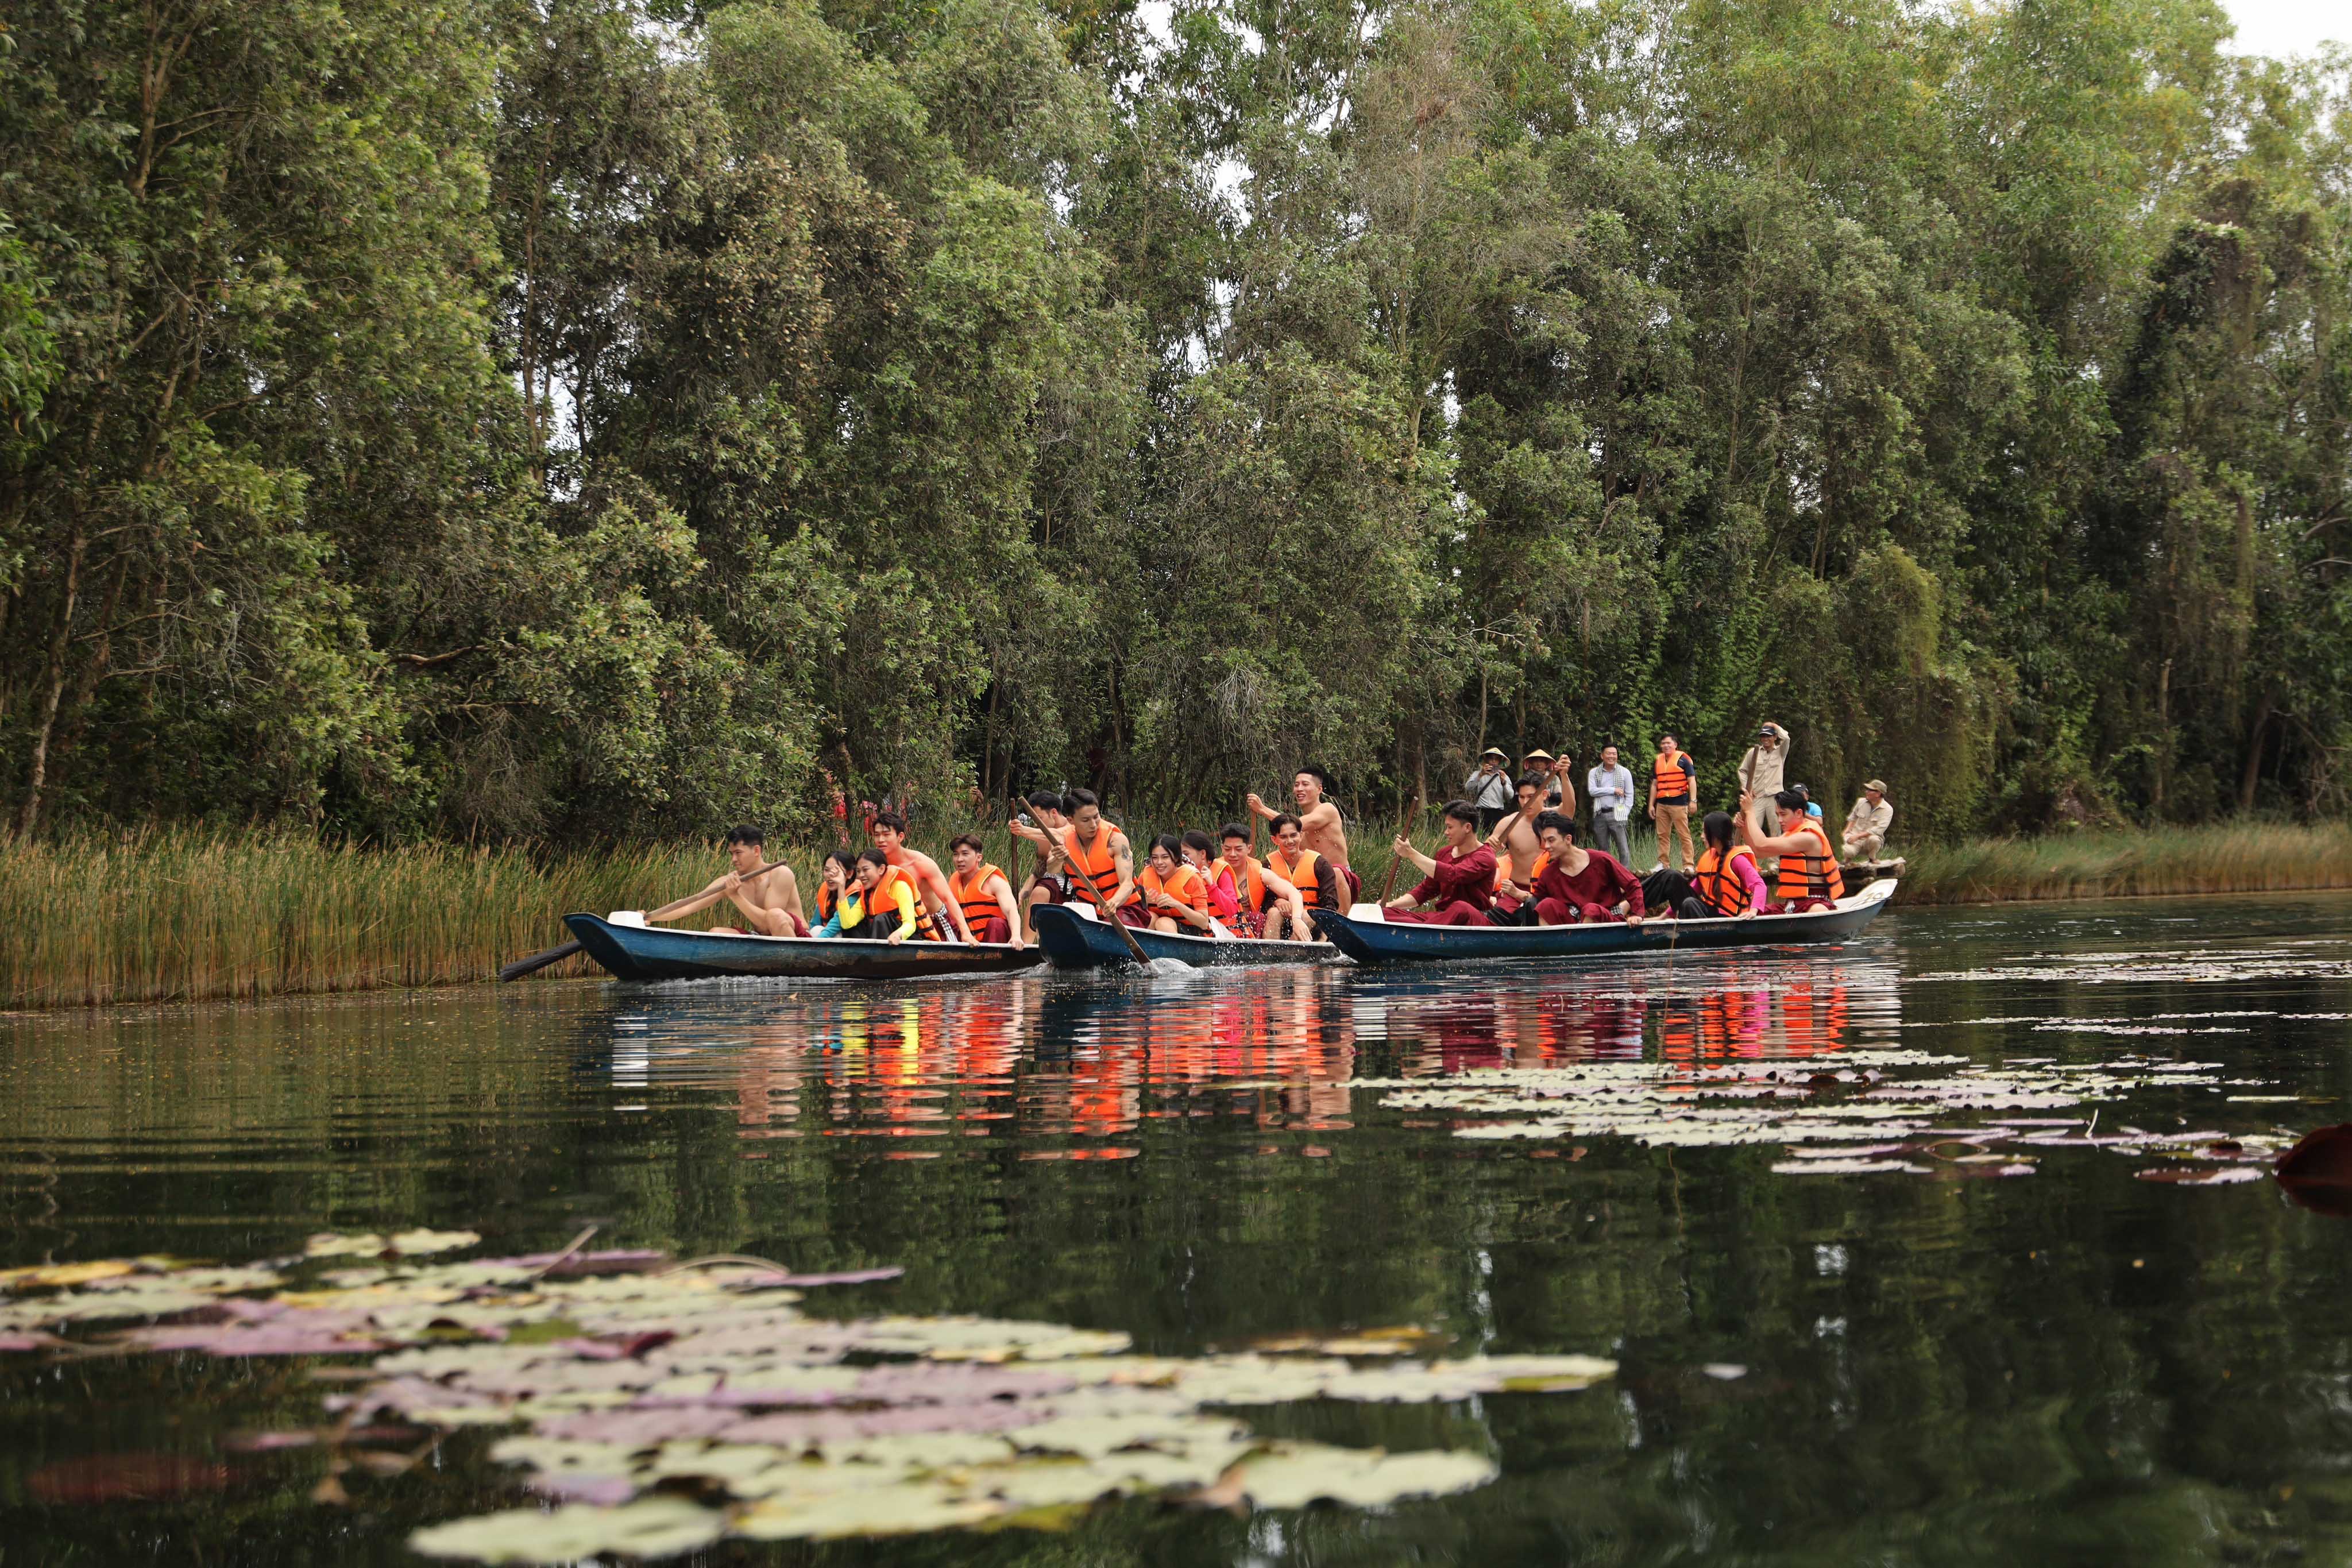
{"x": 1763, "y": 773}
{"x": 1867, "y": 824}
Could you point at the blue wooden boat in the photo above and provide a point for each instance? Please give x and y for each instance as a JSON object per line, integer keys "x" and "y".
{"x": 1075, "y": 940}
{"x": 634, "y": 952}
{"x": 1383, "y": 941}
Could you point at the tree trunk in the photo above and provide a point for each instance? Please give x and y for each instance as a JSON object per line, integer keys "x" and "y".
{"x": 54, "y": 680}
{"x": 2256, "y": 735}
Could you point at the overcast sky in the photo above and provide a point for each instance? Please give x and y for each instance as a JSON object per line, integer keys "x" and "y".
{"x": 2289, "y": 26}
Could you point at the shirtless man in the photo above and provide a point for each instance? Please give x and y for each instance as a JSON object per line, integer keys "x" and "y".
{"x": 771, "y": 903}
{"x": 888, "y": 831}
{"x": 1048, "y": 880}
{"x": 1318, "y": 823}
{"x": 1516, "y": 845}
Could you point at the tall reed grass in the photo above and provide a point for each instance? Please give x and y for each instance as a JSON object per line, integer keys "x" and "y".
{"x": 185, "y": 914}
{"x": 2230, "y": 858}
{"x": 173, "y": 914}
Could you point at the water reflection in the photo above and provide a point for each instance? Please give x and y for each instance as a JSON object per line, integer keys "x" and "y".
{"x": 1092, "y": 1060}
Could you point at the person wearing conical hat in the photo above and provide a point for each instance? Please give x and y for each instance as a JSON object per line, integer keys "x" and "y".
{"x": 1489, "y": 788}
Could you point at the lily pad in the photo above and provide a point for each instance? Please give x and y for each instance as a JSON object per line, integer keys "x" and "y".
{"x": 655, "y": 1527}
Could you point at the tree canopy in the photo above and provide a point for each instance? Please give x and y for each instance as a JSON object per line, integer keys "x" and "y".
{"x": 572, "y": 418}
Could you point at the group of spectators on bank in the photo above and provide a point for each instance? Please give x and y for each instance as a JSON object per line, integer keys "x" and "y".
{"x": 1612, "y": 793}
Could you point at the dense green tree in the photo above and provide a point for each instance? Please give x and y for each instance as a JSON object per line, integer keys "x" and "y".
{"x": 567, "y": 417}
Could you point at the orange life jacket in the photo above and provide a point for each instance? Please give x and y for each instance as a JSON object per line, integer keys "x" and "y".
{"x": 1811, "y": 873}
{"x": 1183, "y": 885}
{"x": 1095, "y": 862}
{"x": 825, "y": 899}
{"x": 1669, "y": 779}
{"x": 1719, "y": 887}
{"x": 1249, "y": 884}
{"x": 973, "y": 897}
{"x": 1299, "y": 873}
{"x": 1503, "y": 870}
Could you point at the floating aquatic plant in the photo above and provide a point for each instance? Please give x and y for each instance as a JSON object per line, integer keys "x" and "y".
{"x": 665, "y": 1406}
{"x": 1879, "y": 1112}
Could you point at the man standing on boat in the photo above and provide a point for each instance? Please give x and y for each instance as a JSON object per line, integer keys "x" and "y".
{"x": 1320, "y": 824}
{"x": 935, "y": 900}
{"x": 771, "y": 902}
{"x": 1458, "y": 883}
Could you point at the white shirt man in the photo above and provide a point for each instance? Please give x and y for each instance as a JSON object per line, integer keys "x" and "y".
{"x": 1609, "y": 787}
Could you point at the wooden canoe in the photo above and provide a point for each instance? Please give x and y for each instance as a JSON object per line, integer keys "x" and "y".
{"x": 630, "y": 951}
{"x": 1075, "y": 940}
{"x": 1379, "y": 941}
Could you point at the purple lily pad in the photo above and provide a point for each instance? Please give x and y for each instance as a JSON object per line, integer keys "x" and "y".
{"x": 604, "y": 1491}
{"x": 267, "y": 1340}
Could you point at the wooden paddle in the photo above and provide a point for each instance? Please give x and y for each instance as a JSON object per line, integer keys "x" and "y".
{"x": 539, "y": 961}
{"x": 1079, "y": 877}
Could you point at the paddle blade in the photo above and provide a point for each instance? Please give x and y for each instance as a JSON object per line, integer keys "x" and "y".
{"x": 537, "y": 961}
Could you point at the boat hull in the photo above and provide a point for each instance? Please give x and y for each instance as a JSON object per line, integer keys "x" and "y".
{"x": 660, "y": 952}
{"x": 1379, "y": 941}
{"x": 1073, "y": 942}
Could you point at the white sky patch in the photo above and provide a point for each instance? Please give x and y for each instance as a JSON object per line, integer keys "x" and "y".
{"x": 2281, "y": 28}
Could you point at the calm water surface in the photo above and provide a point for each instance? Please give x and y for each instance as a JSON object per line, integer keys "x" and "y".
{"x": 2072, "y": 1367}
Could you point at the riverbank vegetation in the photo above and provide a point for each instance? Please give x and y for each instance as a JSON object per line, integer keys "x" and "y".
{"x": 2235, "y": 857}
{"x": 181, "y": 915}
{"x": 587, "y": 420}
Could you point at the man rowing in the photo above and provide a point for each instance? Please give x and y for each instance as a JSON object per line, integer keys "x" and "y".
{"x": 1310, "y": 876}
{"x": 1516, "y": 845}
{"x": 1320, "y": 824}
{"x": 982, "y": 891}
{"x": 1458, "y": 881}
{"x": 1263, "y": 896}
{"x": 1048, "y": 882}
{"x": 1808, "y": 877}
{"x": 1092, "y": 849}
{"x": 770, "y": 902}
{"x": 934, "y": 899}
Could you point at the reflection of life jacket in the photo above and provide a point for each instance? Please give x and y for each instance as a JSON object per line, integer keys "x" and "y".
{"x": 1812, "y": 873}
{"x": 1669, "y": 779}
{"x": 1183, "y": 885}
{"x": 1095, "y": 861}
{"x": 1300, "y": 874}
{"x": 979, "y": 905}
{"x": 1248, "y": 884}
{"x": 1719, "y": 887}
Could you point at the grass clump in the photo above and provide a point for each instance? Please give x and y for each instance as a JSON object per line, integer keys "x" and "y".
{"x": 2230, "y": 858}
{"x": 175, "y": 914}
